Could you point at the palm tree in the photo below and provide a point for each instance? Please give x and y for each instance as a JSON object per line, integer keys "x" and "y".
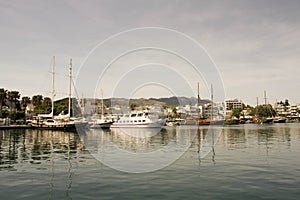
{"x": 37, "y": 101}
{"x": 24, "y": 102}
{"x": 47, "y": 104}
{"x": 3, "y": 96}
{"x": 13, "y": 97}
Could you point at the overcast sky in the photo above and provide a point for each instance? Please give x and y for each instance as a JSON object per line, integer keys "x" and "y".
{"x": 255, "y": 46}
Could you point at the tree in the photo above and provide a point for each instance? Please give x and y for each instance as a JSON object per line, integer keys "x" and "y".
{"x": 37, "y": 102}
{"x": 236, "y": 113}
{"x": 286, "y": 102}
{"x": 47, "y": 102}
{"x": 13, "y": 97}
{"x": 3, "y": 96}
{"x": 24, "y": 102}
{"x": 264, "y": 111}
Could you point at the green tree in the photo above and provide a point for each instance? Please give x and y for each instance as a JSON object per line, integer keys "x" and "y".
{"x": 264, "y": 111}
{"x": 286, "y": 102}
{"x": 24, "y": 102}
{"x": 3, "y": 96}
{"x": 236, "y": 113}
{"x": 46, "y": 104}
{"x": 13, "y": 97}
{"x": 37, "y": 102}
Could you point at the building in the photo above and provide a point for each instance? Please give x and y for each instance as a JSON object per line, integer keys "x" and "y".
{"x": 232, "y": 104}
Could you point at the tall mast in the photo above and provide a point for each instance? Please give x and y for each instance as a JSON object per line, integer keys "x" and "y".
{"x": 102, "y": 110}
{"x": 265, "y": 97}
{"x": 70, "y": 86}
{"x": 198, "y": 96}
{"x": 212, "y": 101}
{"x": 53, "y": 90}
{"x": 198, "y": 101}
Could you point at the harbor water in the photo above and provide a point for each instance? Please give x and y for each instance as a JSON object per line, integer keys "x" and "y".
{"x": 249, "y": 161}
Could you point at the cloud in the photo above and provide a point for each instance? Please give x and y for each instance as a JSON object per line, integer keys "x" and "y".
{"x": 254, "y": 43}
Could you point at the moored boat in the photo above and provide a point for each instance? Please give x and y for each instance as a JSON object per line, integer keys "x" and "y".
{"x": 279, "y": 120}
{"x": 142, "y": 119}
{"x": 101, "y": 123}
{"x": 60, "y": 122}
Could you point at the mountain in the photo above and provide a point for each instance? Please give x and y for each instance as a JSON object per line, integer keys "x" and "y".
{"x": 169, "y": 101}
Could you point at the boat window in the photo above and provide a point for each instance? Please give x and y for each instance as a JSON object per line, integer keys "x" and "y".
{"x": 126, "y": 115}
{"x": 144, "y": 120}
{"x": 140, "y": 120}
{"x": 140, "y": 114}
{"x": 135, "y": 121}
{"x": 146, "y": 114}
{"x": 133, "y": 115}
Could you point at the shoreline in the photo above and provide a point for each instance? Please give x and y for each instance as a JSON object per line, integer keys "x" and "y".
{"x": 15, "y": 127}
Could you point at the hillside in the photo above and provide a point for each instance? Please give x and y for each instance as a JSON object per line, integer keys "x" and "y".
{"x": 170, "y": 101}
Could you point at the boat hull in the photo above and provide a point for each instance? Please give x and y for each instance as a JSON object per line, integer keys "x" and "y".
{"x": 157, "y": 124}
{"x": 60, "y": 126}
{"x": 105, "y": 125}
{"x": 204, "y": 122}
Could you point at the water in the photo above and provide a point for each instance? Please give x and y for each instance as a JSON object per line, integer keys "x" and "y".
{"x": 249, "y": 162}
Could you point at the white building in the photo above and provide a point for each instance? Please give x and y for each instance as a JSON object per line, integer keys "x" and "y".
{"x": 232, "y": 104}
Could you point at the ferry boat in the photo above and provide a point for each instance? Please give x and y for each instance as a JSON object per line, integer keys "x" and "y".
{"x": 142, "y": 119}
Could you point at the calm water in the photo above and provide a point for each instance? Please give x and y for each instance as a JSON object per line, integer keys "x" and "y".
{"x": 249, "y": 162}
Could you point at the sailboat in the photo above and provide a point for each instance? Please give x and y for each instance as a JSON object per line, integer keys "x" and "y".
{"x": 202, "y": 120}
{"x": 60, "y": 122}
{"x": 102, "y": 122}
{"x": 263, "y": 119}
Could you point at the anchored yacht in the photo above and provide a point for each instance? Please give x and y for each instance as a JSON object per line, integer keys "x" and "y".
{"x": 142, "y": 119}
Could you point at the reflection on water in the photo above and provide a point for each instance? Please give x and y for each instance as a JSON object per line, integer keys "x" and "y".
{"x": 59, "y": 165}
{"x": 152, "y": 150}
{"x": 38, "y": 148}
{"x": 19, "y": 147}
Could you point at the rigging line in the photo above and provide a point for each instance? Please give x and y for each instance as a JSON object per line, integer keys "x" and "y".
{"x": 75, "y": 90}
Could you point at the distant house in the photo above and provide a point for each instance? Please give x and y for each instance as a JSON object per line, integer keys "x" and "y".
{"x": 29, "y": 109}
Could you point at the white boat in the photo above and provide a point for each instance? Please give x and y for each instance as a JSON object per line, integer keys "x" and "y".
{"x": 102, "y": 121}
{"x": 142, "y": 119}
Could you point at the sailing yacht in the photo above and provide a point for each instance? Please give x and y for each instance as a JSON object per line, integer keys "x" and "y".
{"x": 60, "y": 122}
{"x": 202, "y": 120}
{"x": 262, "y": 119}
{"x": 102, "y": 121}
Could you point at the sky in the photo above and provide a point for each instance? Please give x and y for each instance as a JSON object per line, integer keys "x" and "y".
{"x": 242, "y": 48}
